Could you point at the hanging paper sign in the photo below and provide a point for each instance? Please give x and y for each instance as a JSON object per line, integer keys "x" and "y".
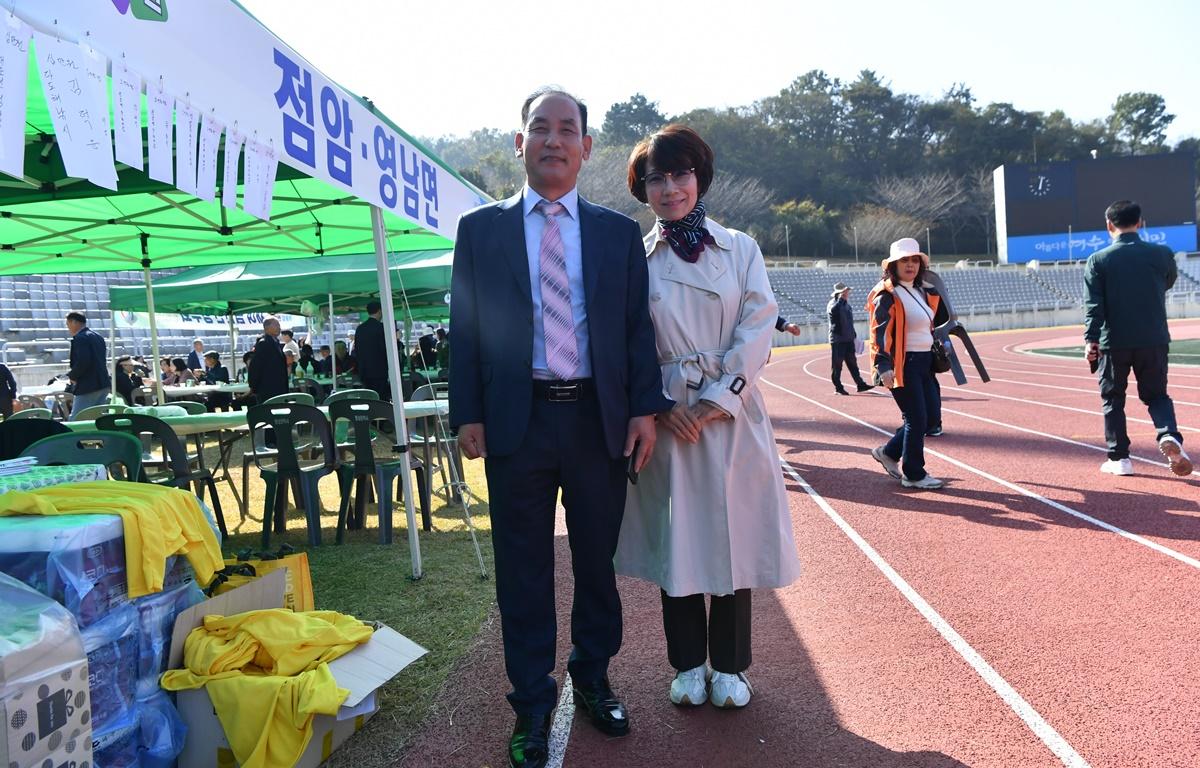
{"x": 96, "y": 68}
{"x": 14, "y": 71}
{"x": 187, "y": 121}
{"x": 160, "y": 112}
{"x": 262, "y": 162}
{"x": 127, "y": 114}
{"x": 233, "y": 150}
{"x": 72, "y": 100}
{"x": 206, "y": 168}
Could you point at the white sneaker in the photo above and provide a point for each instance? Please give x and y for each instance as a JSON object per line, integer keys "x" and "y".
{"x": 1177, "y": 458}
{"x": 927, "y": 483}
{"x": 1117, "y": 467}
{"x": 690, "y": 687}
{"x": 890, "y": 465}
{"x": 730, "y": 691}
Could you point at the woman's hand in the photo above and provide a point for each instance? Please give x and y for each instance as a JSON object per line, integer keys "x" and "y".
{"x": 682, "y": 423}
{"x": 888, "y": 378}
{"x": 705, "y": 412}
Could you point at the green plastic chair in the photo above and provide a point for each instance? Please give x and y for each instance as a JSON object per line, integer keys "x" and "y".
{"x": 96, "y": 411}
{"x": 249, "y": 457}
{"x": 283, "y": 462}
{"x": 31, "y": 413}
{"x": 351, "y": 394}
{"x": 91, "y": 447}
{"x": 193, "y": 407}
{"x": 367, "y": 416}
{"x": 296, "y": 398}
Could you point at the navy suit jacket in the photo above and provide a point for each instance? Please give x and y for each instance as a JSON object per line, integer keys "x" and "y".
{"x": 89, "y": 366}
{"x": 491, "y": 314}
{"x": 369, "y": 349}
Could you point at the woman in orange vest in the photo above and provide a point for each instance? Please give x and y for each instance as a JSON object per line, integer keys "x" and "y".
{"x": 904, "y": 310}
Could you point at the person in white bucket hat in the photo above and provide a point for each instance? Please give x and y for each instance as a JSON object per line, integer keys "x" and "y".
{"x": 841, "y": 339}
{"x": 904, "y": 310}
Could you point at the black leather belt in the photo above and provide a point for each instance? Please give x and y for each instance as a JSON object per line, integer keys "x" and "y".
{"x": 557, "y": 391}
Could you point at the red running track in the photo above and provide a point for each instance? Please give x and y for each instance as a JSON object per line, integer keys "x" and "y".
{"x": 1033, "y": 613}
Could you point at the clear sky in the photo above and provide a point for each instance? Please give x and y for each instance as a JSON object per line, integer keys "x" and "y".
{"x": 450, "y": 66}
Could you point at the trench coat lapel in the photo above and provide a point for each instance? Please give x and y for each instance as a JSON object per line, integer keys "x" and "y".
{"x": 707, "y": 271}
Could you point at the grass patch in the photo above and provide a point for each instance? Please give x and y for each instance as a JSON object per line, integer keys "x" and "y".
{"x": 443, "y": 611}
{"x": 1183, "y": 352}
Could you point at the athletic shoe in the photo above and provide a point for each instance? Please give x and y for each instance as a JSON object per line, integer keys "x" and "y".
{"x": 864, "y": 386}
{"x": 927, "y": 483}
{"x": 730, "y": 691}
{"x": 1117, "y": 467}
{"x": 690, "y": 687}
{"x": 890, "y": 465}
{"x": 1176, "y": 457}
{"x": 935, "y": 432}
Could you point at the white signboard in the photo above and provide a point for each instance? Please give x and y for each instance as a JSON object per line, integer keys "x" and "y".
{"x": 276, "y": 96}
{"x": 14, "y": 70}
{"x": 247, "y": 323}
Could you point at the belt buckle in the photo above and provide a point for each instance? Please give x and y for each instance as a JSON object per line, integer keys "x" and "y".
{"x": 563, "y": 393}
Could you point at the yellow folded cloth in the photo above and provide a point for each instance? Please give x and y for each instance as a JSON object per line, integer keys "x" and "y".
{"x": 158, "y": 522}
{"x": 267, "y": 675}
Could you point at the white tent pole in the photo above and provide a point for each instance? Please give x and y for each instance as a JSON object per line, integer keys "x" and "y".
{"x": 393, "y": 358}
{"x": 162, "y": 396}
{"x": 332, "y": 345}
{"x": 232, "y": 348}
{"x": 112, "y": 352}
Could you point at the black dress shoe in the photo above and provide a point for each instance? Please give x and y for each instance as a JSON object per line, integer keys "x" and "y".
{"x": 601, "y": 706}
{"x": 864, "y": 386}
{"x": 840, "y": 392}
{"x": 529, "y": 746}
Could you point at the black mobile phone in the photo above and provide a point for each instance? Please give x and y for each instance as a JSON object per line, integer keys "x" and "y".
{"x": 631, "y": 464}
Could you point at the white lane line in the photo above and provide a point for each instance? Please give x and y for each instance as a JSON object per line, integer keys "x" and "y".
{"x": 1026, "y": 400}
{"x": 1017, "y": 703}
{"x": 1154, "y": 545}
{"x": 1077, "y": 390}
{"x": 1031, "y": 357}
{"x": 560, "y": 727}
{"x": 1092, "y": 379}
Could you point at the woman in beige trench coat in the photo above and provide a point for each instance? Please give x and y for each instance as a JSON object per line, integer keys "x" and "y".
{"x": 708, "y": 515}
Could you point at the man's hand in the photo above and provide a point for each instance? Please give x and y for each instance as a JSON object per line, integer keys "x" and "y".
{"x": 682, "y": 422}
{"x": 471, "y": 440}
{"x": 641, "y": 432}
{"x": 888, "y": 378}
{"x": 1092, "y": 350}
{"x": 792, "y": 328}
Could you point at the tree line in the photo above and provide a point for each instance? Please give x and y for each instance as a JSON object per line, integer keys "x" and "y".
{"x": 826, "y": 167}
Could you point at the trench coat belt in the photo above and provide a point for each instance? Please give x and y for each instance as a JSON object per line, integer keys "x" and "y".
{"x": 693, "y": 364}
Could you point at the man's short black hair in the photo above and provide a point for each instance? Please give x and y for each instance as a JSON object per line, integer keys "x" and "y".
{"x": 77, "y": 317}
{"x": 1123, "y": 214}
{"x": 287, "y": 333}
{"x": 553, "y": 90}
{"x": 373, "y": 306}
{"x": 325, "y": 348}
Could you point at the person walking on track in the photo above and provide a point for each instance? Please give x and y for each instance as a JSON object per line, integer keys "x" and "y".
{"x": 841, "y": 339}
{"x": 1126, "y": 330}
{"x": 904, "y": 310}
{"x": 709, "y": 516}
{"x": 554, "y": 381}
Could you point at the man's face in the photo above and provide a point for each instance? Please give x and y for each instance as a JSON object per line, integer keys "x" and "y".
{"x": 271, "y": 329}
{"x": 552, "y": 144}
{"x": 73, "y": 327}
{"x": 198, "y": 346}
{"x": 324, "y": 354}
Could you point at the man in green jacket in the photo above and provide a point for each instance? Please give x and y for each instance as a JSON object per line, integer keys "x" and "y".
{"x": 1126, "y": 329}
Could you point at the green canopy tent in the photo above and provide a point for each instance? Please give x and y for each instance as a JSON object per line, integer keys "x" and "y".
{"x": 313, "y": 169}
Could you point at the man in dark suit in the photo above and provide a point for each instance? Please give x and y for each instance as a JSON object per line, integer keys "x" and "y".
{"x": 215, "y": 373}
{"x": 195, "y": 358}
{"x": 89, "y": 377}
{"x": 268, "y": 369}
{"x": 370, "y": 352}
{"x": 1126, "y": 330}
{"x": 554, "y": 380}
{"x": 8, "y": 391}
{"x": 841, "y": 339}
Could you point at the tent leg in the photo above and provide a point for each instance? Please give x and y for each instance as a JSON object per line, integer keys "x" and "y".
{"x": 162, "y": 397}
{"x": 232, "y": 348}
{"x": 112, "y": 353}
{"x": 332, "y": 345}
{"x": 393, "y": 358}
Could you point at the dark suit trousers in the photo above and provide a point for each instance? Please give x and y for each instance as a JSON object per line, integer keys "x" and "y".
{"x": 1149, "y": 366}
{"x": 843, "y": 352}
{"x": 563, "y": 448}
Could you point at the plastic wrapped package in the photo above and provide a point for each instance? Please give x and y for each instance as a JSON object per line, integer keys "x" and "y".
{"x": 116, "y": 746}
{"x": 112, "y": 652}
{"x": 163, "y": 731}
{"x": 44, "y": 701}
{"x": 78, "y": 560}
{"x": 157, "y": 618}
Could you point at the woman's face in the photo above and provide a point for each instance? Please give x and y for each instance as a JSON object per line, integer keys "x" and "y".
{"x": 671, "y": 195}
{"x": 908, "y": 267}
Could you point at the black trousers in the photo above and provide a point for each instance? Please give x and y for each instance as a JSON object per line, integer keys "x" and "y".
{"x": 723, "y": 637}
{"x": 843, "y": 352}
{"x": 1149, "y": 366}
{"x": 381, "y": 387}
{"x": 563, "y": 448}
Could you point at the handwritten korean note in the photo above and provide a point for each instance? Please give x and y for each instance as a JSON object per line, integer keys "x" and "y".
{"x": 160, "y": 113}
{"x": 73, "y": 97}
{"x": 234, "y": 140}
{"x": 14, "y": 69}
{"x": 95, "y": 66}
{"x": 262, "y": 162}
{"x": 187, "y": 122}
{"x": 206, "y": 169}
{"x": 127, "y": 114}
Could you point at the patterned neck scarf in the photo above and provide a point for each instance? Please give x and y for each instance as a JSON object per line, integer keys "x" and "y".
{"x": 687, "y": 237}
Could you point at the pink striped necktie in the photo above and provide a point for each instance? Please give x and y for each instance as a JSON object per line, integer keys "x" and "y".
{"x": 558, "y": 324}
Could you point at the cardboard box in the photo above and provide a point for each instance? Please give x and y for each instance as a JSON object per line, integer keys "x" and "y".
{"x": 361, "y": 672}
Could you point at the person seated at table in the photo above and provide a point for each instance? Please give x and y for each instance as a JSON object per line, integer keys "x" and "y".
{"x": 128, "y": 381}
{"x": 289, "y": 360}
{"x": 325, "y": 362}
{"x": 170, "y": 374}
{"x": 345, "y": 361}
{"x": 140, "y": 367}
{"x": 288, "y": 340}
{"x": 215, "y": 373}
{"x": 183, "y": 374}
{"x": 8, "y": 391}
{"x": 427, "y": 345}
{"x": 243, "y": 375}
{"x": 306, "y": 364}
{"x": 195, "y": 356}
